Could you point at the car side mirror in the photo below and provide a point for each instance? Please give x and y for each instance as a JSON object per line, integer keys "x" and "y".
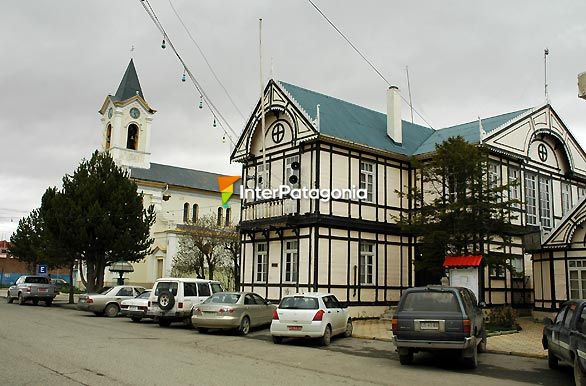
{"x": 482, "y": 305}
{"x": 548, "y": 322}
{"x": 268, "y": 302}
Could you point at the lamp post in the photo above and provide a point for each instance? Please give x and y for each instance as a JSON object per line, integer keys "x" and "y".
{"x": 121, "y": 267}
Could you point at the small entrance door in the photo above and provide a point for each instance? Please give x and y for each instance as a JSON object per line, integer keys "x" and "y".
{"x": 159, "y": 268}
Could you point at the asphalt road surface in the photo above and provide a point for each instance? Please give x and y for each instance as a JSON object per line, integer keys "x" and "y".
{"x": 58, "y": 346}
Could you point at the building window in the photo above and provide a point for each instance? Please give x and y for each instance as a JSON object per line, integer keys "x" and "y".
{"x": 262, "y": 262}
{"x": 262, "y": 176}
{"x": 531, "y": 198}
{"x": 185, "y": 212}
{"x": 497, "y": 271}
{"x": 367, "y": 179}
{"x": 545, "y": 201}
{"x": 566, "y": 197}
{"x": 517, "y": 267}
{"x": 108, "y": 136}
{"x": 581, "y": 192}
{"x": 220, "y": 216}
{"x": 366, "y": 262}
{"x": 292, "y": 171}
{"x": 132, "y": 139}
{"x": 290, "y": 268}
{"x": 494, "y": 175}
{"x": 577, "y": 275}
{"x": 515, "y": 186}
{"x": 228, "y": 215}
{"x": 194, "y": 213}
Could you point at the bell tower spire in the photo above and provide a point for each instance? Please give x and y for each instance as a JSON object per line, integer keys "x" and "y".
{"x": 126, "y": 123}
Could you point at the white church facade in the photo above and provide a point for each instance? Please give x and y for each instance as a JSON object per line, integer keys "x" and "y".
{"x": 179, "y": 195}
{"x": 353, "y": 247}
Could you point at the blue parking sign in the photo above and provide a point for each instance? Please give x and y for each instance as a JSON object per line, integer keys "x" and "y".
{"x": 42, "y": 269}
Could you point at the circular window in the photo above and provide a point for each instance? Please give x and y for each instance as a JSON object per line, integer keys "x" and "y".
{"x": 542, "y": 152}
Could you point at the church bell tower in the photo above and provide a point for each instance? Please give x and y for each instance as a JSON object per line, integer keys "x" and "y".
{"x": 126, "y": 123}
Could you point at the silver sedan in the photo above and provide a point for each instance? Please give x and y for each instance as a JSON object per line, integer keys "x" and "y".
{"x": 108, "y": 301}
{"x": 233, "y": 310}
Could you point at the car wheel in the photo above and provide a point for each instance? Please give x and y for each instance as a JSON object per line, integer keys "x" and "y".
{"x": 8, "y": 298}
{"x": 20, "y": 299}
{"x": 164, "y": 322}
{"x": 482, "y": 344}
{"x": 277, "y": 339}
{"x": 36, "y": 302}
{"x": 244, "y": 328}
{"x": 327, "y": 338}
{"x": 136, "y": 319}
{"x": 552, "y": 360}
{"x": 111, "y": 310}
{"x": 406, "y": 358}
{"x": 579, "y": 376}
{"x": 48, "y": 303}
{"x": 472, "y": 361}
{"x": 349, "y": 329}
{"x": 202, "y": 330}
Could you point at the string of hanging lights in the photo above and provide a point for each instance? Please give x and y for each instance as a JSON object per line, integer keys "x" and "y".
{"x": 218, "y": 118}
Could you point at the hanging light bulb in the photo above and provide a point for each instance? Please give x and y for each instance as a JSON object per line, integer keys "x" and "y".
{"x": 163, "y": 45}
{"x": 215, "y": 122}
{"x": 224, "y": 138}
{"x": 183, "y": 78}
{"x": 200, "y": 102}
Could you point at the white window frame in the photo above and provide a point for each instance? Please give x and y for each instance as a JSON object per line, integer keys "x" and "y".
{"x": 545, "y": 210}
{"x": 518, "y": 264}
{"x": 566, "y": 197}
{"x": 581, "y": 192}
{"x": 366, "y": 263}
{"x": 368, "y": 179}
{"x": 494, "y": 174}
{"x": 531, "y": 207}
{"x": 291, "y": 254}
{"x": 262, "y": 262}
{"x": 515, "y": 186}
{"x": 575, "y": 283}
{"x": 290, "y": 172}
{"x": 260, "y": 172}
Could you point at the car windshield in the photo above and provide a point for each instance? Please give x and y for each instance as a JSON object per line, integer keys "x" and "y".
{"x": 299, "y": 303}
{"x": 36, "y": 280}
{"x": 144, "y": 295}
{"x": 223, "y": 298}
{"x": 170, "y": 286}
{"x": 216, "y": 287}
{"x": 431, "y": 301}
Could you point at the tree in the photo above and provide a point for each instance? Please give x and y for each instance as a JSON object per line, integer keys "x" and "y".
{"x": 460, "y": 209}
{"x": 98, "y": 217}
{"x": 27, "y": 242}
{"x": 204, "y": 247}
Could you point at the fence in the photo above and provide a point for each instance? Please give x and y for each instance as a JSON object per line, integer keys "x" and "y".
{"x": 8, "y": 278}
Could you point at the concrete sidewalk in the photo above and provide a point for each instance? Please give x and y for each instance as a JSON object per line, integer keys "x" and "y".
{"x": 526, "y": 343}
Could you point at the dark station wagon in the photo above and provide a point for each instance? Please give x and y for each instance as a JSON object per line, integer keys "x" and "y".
{"x": 439, "y": 318}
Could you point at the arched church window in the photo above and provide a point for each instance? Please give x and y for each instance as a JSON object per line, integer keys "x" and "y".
{"x": 132, "y": 139}
{"x": 108, "y": 136}
{"x": 185, "y": 212}
{"x": 195, "y": 213}
{"x": 220, "y": 216}
{"x": 228, "y": 215}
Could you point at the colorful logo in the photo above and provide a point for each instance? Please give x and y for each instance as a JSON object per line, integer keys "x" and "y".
{"x": 226, "y": 184}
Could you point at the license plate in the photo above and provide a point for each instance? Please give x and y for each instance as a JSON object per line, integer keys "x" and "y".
{"x": 42, "y": 290}
{"x": 133, "y": 308}
{"x": 429, "y": 325}
{"x": 294, "y": 328}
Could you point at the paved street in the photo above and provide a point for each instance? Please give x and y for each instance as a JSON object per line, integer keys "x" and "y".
{"x": 58, "y": 346}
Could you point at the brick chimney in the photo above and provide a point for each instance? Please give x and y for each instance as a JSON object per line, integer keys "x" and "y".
{"x": 394, "y": 126}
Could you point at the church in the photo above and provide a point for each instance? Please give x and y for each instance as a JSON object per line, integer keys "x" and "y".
{"x": 179, "y": 195}
{"x": 353, "y": 247}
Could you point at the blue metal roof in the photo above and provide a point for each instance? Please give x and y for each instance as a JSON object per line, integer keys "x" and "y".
{"x": 363, "y": 126}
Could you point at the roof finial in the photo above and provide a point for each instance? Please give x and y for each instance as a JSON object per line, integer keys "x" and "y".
{"x": 132, "y": 52}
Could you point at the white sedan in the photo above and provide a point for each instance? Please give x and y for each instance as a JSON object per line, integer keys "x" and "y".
{"x": 310, "y": 315}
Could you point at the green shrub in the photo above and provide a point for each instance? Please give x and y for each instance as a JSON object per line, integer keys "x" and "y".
{"x": 502, "y": 317}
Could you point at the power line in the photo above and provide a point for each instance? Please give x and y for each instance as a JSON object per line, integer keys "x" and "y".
{"x": 205, "y": 59}
{"x": 207, "y": 100}
{"x": 366, "y": 59}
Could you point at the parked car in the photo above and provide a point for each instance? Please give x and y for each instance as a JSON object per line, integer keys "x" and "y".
{"x": 136, "y": 309}
{"x": 311, "y": 315}
{"x": 108, "y": 301}
{"x": 232, "y": 310}
{"x": 173, "y": 299}
{"x": 31, "y": 287}
{"x": 564, "y": 338}
{"x": 439, "y": 318}
{"x": 59, "y": 285}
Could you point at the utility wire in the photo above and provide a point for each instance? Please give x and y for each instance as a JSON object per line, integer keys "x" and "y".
{"x": 365, "y": 59}
{"x": 205, "y": 59}
{"x": 211, "y": 106}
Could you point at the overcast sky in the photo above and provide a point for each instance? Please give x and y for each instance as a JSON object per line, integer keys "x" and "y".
{"x": 61, "y": 58}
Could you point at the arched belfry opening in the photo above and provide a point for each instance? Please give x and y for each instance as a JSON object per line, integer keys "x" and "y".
{"x": 108, "y": 136}
{"x": 132, "y": 139}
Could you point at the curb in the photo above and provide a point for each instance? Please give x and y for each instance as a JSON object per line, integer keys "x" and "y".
{"x": 518, "y": 354}
{"x": 372, "y": 338}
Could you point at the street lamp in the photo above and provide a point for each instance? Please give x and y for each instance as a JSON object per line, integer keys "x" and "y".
{"x": 121, "y": 267}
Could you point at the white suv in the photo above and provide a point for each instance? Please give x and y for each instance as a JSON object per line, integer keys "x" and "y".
{"x": 311, "y": 315}
{"x": 173, "y": 299}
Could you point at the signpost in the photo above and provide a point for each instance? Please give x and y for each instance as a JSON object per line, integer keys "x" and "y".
{"x": 42, "y": 269}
